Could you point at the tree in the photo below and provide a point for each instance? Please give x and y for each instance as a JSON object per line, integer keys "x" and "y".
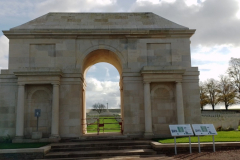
{"x": 99, "y": 107}
{"x": 234, "y": 73}
{"x": 211, "y": 91}
{"x": 226, "y": 91}
{"x": 203, "y": 95}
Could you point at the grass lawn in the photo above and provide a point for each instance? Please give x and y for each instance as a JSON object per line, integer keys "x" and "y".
{"x": 115, "y": 127}
{"x": 223, "y": 136}
{"x": 21, "y": 145}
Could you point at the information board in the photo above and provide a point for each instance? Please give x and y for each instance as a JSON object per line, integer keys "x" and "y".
{"x": 204, "y": 129}
{"x": 37, "y": 113}
{"x": 181, "y": 130}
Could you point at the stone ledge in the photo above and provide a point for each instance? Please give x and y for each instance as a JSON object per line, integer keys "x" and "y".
{"x": 157, "y": 145}
{"x": 50, "y": 140}
{"x": 44, "y": 149}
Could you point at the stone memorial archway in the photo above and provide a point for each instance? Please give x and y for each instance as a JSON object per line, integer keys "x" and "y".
{"x": 51, "y": 54}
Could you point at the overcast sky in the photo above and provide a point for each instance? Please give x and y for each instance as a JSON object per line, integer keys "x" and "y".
{"x": 217, "y": 37}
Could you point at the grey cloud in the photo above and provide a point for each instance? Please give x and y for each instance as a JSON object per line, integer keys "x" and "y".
{"x": 74, "y": 6}
{"x": 125, "y": 5}
{"x": 102, "y": 92}
{"x": 215, "y": 20}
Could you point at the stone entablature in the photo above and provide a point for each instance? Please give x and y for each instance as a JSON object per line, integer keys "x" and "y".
{"x": 51, "y": 55}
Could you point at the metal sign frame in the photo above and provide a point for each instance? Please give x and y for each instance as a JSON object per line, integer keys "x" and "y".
{"x": 181, "y": 130}
{"x": 204, "y": 129}
{"x": 37, "y": 113}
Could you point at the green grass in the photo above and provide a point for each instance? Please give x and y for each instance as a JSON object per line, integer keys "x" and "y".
{"x": 21, "y": 145}
{"x": 107, "y": 127}
{"x": 223, "y": 136}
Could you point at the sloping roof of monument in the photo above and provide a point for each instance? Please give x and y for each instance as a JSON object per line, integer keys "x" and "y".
{"x": 100, "y": 21}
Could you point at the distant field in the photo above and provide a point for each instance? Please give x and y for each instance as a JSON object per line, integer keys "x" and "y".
{"x": 113, "y": 127}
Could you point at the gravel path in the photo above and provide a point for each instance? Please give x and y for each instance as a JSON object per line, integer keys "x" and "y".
{"x": 218, "y": 155}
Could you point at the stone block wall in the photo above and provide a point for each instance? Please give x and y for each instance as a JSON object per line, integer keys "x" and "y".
{"x": 42, "y": 53}
{"x": 133, "y": 106}
{"x": 70, "y": 110}
{"x": 224, "y": 119}
{"x": 8, "y": 101}
{"x": 191, "y": 96}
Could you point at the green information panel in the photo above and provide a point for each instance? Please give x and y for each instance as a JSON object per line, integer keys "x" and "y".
{"x": 204, "y": 129}
{"x": 181, "y": 130}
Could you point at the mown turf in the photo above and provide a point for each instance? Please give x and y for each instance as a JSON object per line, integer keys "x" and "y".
{"x": 223, "y": 136}
{"x": 21, "y": 145}
{"x": 110, "y": 125}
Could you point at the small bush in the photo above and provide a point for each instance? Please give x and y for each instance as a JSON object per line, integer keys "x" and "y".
{"x": 228, "y": 129}
{"x": 6, "y": 139}
{"x": 219, "y": 128}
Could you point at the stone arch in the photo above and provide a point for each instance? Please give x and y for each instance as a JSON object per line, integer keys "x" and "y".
{"x": 101, "y": 55}
{"x": 37, "y": 88}
{"x": 163, "y": 108}
{"x": 121, "y": 57}
{"x": 153, "y": 94}
{"x": 38, "y": 97}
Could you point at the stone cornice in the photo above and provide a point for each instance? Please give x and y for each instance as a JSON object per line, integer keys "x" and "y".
{"x": 38, "y": 73}
{"x": 182, "y": 71}
{"x": 146, "y": 33}
{"x": 162, "y": 70}
{"x": 162, "y": 74}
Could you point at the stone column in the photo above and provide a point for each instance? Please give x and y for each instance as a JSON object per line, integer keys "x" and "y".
{"x": 122, "y": 109}
{"x": 148, "y": 110}
{"x": 180, "y": 109}
{"x": 20, "y": 112}
{"x": 55, "y": 112}
{"x": 84, "y": 116}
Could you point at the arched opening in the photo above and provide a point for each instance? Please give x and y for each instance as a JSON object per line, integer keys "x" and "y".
{"x": 88, "y": 114}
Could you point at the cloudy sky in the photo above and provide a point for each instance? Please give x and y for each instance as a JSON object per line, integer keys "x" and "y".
{"x": 216, "y": 40}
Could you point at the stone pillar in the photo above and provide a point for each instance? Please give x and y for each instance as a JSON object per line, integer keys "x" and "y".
{"x": 55, "y": 112}
{"x": 122, "y": 109}
{"x": 20, "y": 111}
{"x": 148, "y": 110}
{"x": 84, "y": 116}
{"x": 180, "y": 109}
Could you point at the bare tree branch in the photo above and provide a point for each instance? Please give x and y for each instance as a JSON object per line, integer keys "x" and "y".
{"x": 234, "y": 72}
{"x": 211, "y": 91}
{"x": 226, "y": 91}
{"x": 99, "y": 107}
{"x": 203, "y": 95}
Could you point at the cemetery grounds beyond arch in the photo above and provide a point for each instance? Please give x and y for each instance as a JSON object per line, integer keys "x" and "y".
{"x": 95, "y": 55}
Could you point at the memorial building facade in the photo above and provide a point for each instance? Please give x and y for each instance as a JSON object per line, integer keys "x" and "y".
{"x": 50, "y": 55}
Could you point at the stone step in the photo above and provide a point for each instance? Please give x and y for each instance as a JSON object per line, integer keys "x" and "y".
{"x": 99, "y": 144}
{"x": 100, "y": 137}
{"x": 100, "y": 153}
{"x": 130, "y": 157}
{"x": 65, "y": 149}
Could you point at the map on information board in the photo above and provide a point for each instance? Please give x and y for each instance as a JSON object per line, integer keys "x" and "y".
{"x": 204, "y": 129}
{"x": 181, "y": 130}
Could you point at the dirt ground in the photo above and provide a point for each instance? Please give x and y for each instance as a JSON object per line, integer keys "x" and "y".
{"x": 222, "y": 155}
{"x": 218, "y": 155}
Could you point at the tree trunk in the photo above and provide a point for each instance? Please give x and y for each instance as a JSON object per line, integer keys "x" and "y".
{"x": 226, "y": 107}
{"x": 213, "y": 107}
